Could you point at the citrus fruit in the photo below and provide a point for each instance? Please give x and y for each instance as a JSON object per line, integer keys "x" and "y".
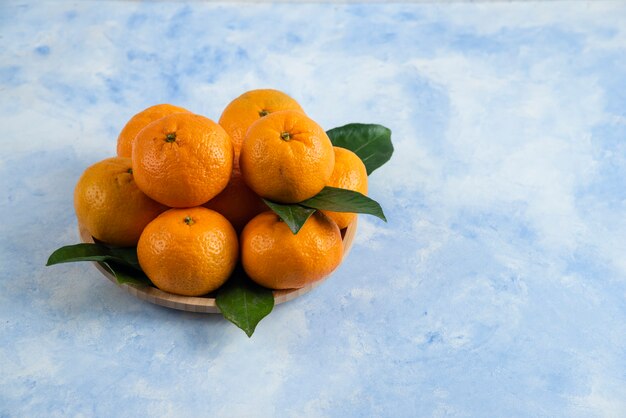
{"x": 276, "y": 258}
{"x": 140, "y": 121}
{"x": 182, "y": 160}
{"x": 109, "y": 204}
{"x": 237, "y": 202}
{"x": 286, "y": 157}
{"x": 349, "y": 173}
{"x": 189, "y": 251}
{"x": 250, "y": 107}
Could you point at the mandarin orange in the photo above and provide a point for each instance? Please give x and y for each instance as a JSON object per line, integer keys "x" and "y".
{"x": 182, "y": 160}
{"x": 110, "y": 205}
{"x": 276, "y": 258}
{"x": 188, "y": 252}
{"x": 246, "y": 109}
{"x": 286, "y": 157}
{"x": 237, "y": 202}
{"x": 138, "y": 122}
{"x": 349, "y": 173}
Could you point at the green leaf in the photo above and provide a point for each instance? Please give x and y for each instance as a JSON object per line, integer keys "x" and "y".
{"x": 342, "y": 200}
{"x": 293, "y": 215}
{"x": 95, "y": 252}
{"x": 128, "y": 254}
{"x": 124, "y": 275}
{"x": 372, "y": 143}
{"x": 243, "y": 302}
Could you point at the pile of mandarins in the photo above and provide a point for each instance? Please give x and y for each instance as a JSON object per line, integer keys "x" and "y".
{"x": 188, "y": 193}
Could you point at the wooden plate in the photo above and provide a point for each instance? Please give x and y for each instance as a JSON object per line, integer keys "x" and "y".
{"x": 207, "y": 304}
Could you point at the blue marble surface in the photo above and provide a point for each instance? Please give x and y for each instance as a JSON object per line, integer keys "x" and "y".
{"x": 498, "y": 287}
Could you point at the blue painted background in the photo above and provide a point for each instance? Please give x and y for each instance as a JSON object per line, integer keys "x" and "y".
{"x": 498, "y": 287}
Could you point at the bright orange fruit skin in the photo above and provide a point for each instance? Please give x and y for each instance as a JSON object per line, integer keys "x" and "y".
{"x": 276, "y": 258}
{"x": 188, "y": 252}
{"x": 110, "y": 205}
{"x": 237, "y": 202}
{"x": 138, "y": 122}
{"x": 349, "y": 173}
{"x": 182, "y": 160}
{"x": 286, "y": 157}
{"x": 251, "y": 106}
